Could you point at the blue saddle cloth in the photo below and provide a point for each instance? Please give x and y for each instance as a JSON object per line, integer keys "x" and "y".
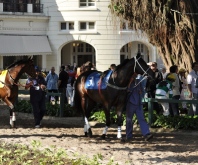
{"x": 93, "y": 80}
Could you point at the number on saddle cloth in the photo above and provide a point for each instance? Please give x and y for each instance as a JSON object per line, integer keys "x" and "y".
{"x": 92, "y": 81}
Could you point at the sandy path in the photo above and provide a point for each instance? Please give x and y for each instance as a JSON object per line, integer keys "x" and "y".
{"x": 166, "y": 148}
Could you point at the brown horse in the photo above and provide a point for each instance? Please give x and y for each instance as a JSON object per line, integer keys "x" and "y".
{"x": 9, "y": 83}
{"x": 109, "y": 89}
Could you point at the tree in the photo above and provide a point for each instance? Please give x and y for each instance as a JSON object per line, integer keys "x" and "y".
{"x": 170, "y": 25}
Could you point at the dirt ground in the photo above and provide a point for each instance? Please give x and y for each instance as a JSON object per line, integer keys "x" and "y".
{"x": 167, "y": 147}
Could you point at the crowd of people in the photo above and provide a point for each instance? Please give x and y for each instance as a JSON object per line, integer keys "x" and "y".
{"x": 176, "y": 84}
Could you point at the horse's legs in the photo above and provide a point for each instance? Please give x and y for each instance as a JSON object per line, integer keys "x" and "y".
{"x": 87, "y": 128}
{"x": 108, "y": 122}
{"x": 119, "y": 120}
{"x": 87, "y": 106}
{"x": 12, "y": 112}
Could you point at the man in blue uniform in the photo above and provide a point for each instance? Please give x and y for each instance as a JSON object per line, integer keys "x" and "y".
{"x": 134, "y": 106}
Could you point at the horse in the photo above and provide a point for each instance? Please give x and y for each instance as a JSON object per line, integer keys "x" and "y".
{"x": 9, "y": 82}
{"x": 109, "y": 88}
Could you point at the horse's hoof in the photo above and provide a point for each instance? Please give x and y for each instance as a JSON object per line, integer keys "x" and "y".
{"x": 12, "y": 124}
{"x": 103, "y": 136}
{"x": 86, "y": 134}
{"x": 89, "y": 132}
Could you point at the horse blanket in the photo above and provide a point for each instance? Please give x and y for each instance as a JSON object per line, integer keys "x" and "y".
{"x": 94, "y": 80}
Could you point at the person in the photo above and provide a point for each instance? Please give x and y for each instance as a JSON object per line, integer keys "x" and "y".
{"x": 164, "y": 91}
{"x": 164, "y": 73}
{"x": 152, "y": 83}
{"x": 174, "y": 107}
{"x": 37, "y": 96}
{"x": 193, "y": 90}
{"x": 69, "y": 90}
{"x": 134, "y": 106}
{"x": 112, "y": 67}
{"x": 62, "y": 82}
{"x": 52, "y": 83}
{"x": 184, "y": 90}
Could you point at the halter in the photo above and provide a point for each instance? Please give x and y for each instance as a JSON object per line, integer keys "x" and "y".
{"x": 15, "y": 83}
{"x": 136, "y": 61}
{"x": 124, "y": 88}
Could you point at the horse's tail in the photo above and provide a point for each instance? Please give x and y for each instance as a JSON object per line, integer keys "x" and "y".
{"x": 77, "y": 98}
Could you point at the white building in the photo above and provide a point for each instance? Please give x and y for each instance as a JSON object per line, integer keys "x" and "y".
{"x": 65, "y": 32}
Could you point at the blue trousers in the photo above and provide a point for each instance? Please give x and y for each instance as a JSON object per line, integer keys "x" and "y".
{"x": 138, "y": 111}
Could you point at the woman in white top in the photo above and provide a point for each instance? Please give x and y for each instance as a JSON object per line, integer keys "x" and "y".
{"x": 184, "y": 90}
{"x": 193, "y": 90}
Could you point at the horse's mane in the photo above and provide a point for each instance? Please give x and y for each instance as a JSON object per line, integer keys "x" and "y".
{"x": 122, "y": 64}
{"x": 17, "y": 63}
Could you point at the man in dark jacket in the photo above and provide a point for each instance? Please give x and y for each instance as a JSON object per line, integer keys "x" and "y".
{"x": 37, "y": 96}
{"x": 62, "y": 82}
{"x": 152, "y": 83}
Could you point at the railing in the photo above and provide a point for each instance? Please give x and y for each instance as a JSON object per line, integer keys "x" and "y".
{"x": 151, "y": 100}
{"x": 21, "y": 7}
{"x": 48, "y": 94}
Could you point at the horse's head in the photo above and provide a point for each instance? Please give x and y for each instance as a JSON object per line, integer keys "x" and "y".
{"x": 29, "y": 68}
{"x": 141, "y": 67}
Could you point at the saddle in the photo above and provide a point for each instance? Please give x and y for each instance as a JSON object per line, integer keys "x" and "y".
{"x": 92, "y": 81}
{"x": 3, "y": 74}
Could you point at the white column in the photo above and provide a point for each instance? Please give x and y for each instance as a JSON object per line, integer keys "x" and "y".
{"x": 1, "y": 62}
{"x": 44, "y": 62}
{"x": 1, "y": 7}
{"x": 29, "y": 8}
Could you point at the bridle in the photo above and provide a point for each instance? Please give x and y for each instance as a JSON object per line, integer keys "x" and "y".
{"x": 124, "y": 88}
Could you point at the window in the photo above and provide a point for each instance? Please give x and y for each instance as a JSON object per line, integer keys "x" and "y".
{"x": 67, "y": 26}
{"x": 88, "y": 48}
{"x": 124, "y": 48}
{"x": 80, "y": 47}
{"x": 140, "y": 48}
{"x": 87, "y": 25}
{"x": 87, "y": 3}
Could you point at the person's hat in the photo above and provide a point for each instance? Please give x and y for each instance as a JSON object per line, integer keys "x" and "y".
{"x": 149, "y": 63}
{"x": 37, "y": 69}
{"x": 152, "y": 63}
{"x": 182, "y": 70}
{"x": 170, "y": 77}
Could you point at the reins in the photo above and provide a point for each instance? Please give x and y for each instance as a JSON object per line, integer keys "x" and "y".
{"x": 124, "y": 88}
{"x": 15, "y": 83}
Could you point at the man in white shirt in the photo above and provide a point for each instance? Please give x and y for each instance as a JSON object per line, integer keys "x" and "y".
{"x": 174, "y": 107}
{"x": 193, "y": 91}
{"x": 164, "y": 74}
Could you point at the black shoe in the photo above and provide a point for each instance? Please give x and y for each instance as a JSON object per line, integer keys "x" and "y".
{"x": 148, "y": 137}
{"x": 126, "y": 140}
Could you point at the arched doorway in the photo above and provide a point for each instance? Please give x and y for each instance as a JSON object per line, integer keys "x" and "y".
{"x": 132, "y": 48}
{"x": 77, "y": 53}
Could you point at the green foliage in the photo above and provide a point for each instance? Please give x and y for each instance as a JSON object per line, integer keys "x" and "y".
{"x": 17, "y": 154}
{"x": 178, "y": 122}
{"x": 99, "y": 116}
{"x": 23, "y": 106}
{"x": 51, "y": 109}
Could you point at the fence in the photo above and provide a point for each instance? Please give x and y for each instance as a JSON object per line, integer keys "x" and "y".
{"x": 48, "y": 94}
{"x": 149, "y": 100}
{"x": 152, "y": 100}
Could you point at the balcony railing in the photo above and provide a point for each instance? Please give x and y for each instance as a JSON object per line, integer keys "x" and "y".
{"x": 22, "y": 7}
